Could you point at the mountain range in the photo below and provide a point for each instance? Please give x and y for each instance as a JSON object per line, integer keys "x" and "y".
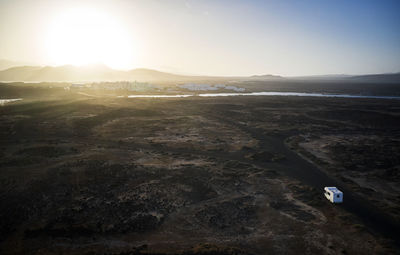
{"x": 99, "y": 72}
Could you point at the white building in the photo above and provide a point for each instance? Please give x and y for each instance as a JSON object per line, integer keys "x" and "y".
{"x": 333, "y": 194}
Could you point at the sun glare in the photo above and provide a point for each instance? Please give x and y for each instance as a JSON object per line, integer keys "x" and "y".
{"x": 84, "y": 36}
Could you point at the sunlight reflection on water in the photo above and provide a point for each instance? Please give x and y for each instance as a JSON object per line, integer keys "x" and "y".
{"x": 5, "y": 101}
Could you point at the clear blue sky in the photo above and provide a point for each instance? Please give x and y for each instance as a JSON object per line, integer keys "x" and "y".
{"x": 235, "y": 37}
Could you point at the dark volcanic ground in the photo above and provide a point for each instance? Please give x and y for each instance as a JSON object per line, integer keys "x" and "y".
{"x": 238, "y": 175}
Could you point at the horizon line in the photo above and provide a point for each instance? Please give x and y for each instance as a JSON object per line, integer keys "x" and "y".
{"x": 186, "y": 74}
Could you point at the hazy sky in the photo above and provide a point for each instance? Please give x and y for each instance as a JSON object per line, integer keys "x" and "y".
{"x": 299, "y": 37}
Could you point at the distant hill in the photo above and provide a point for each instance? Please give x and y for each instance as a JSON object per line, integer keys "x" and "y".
{"x": 378, "y": 78}
{"x": 81, "y": 74}
{"x": 142, "y": 74}
{"x": 5, "y": 64}
{"x": 322, "y": 77}
{"x": 265, "y": 77}
{"x": 88, "y": 73}
{"x": 99, "y": 72}
{"x": 69, "y": 73}
{"x": 368, "y": 78}
{"x": 21, "y": 73}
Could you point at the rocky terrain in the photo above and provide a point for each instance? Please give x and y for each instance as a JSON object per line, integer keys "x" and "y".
{"x": 235, "y": 175}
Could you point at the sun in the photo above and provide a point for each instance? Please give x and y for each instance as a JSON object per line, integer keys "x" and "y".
{"x": 83, "y": 36}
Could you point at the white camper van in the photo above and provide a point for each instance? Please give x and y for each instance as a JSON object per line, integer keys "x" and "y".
{"x": 333, "y": 194}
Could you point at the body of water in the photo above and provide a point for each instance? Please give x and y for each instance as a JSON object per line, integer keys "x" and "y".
{"x": 159, "y": 96}
{"x": 300, "y": 94}
{"x": 5, "y": 101}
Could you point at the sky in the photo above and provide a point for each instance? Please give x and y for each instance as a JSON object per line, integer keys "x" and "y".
{"x": 206, "y": 37}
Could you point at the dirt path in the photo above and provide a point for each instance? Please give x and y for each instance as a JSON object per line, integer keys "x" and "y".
{"x": 297, "y": 167}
